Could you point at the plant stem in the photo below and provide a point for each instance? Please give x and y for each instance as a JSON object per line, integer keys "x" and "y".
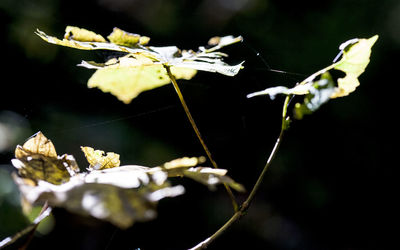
{"x": 197, "y": 131}
{"x": 30, "y": 229}
{"x": 246, "y": 204}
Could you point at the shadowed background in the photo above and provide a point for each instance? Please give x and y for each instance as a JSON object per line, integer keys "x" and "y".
{"x": 332, "y": 185}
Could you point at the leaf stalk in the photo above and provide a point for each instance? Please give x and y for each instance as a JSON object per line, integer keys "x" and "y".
{"x": 197, "y": 131}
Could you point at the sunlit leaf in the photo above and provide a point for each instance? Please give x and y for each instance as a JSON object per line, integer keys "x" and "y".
{"x": 354, "y": 61}
{"x": 99, "y": 160}
{"x": 128, "y": 176}
{"x": 210, "y": 177}
{"x": 124, "y": 38}
{"x": 214, "y": 66}
{"x": 120, "y": 206}
{"x": 184, "y": 162}
{"x": 170, "y": 55}
{"x": 132, "y": 176}
{"x": 218, "y": 42}
{"x": 319, "y": 87}
{"x": 128, "y": 77}
{"x": 143, "y": 67}
{"x": 37, "y": 160}
{"x": 37, "y": 144}
{"x": 121, "y": 195}
{"x": 84, "y": 45}
{"x": 82, "y": 35}
{"x": 356, "y": 54}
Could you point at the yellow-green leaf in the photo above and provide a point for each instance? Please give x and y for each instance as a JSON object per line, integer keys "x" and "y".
{"x": 354, "y": 61}
{"x": 115, "y": 77}
{"x": 83, "y": 35}
{"x": 37, "y": 144}
{"x": 205, "y": 59}
{"x": 184, "y": 162}
{"x": 99, "y": 160}
{"x": 128, "y": 82}
{"x": 320, "y": 87}
{"x": 124, "y": 38}
{"x": 86, "y": 45}
{"x": 37, "y": 160}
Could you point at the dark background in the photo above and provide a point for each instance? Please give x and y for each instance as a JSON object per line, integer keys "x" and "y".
{"x": 333, "y": 184}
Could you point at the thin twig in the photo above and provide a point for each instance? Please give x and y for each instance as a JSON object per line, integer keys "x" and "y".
{"x": 197, "y": 131}
{"x": 30, "y": 229}
{"x": 246, "y": 204}
{"x": 32, "y": 233}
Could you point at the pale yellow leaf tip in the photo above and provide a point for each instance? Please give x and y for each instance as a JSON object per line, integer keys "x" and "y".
{"x": 184, "y": 162}
{"x": 373, "y": 39}
{"x": 124, "y": 38}
{"x": 355, "y": 59}
{"x": 83, "y": 35}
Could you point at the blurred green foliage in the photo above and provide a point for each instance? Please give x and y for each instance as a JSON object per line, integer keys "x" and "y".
{"x": 11, "y": 219}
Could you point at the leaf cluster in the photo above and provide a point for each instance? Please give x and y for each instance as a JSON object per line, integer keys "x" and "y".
{"x": 141, "y": 67}
{"x": 121, "y": 195}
